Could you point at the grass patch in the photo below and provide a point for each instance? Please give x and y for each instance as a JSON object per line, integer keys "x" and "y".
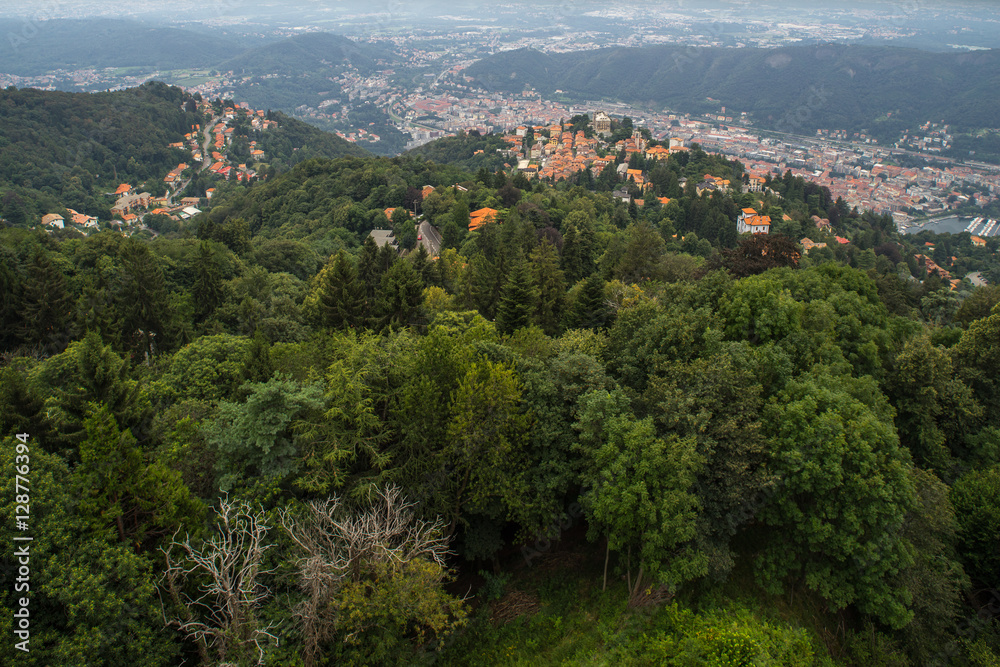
{"x": 555, "y": 613}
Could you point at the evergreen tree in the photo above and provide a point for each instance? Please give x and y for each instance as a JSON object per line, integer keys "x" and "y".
{"x": 578, "y": 247}
{"x": 460, "y": 213}
{"x": 342, "y": 295}
{"x": 141, "y": 302}
{"x": 589, "y": 310}
{"x": 517, "y": 300}
{"x": 368, "y": 266}
{"x": 207, "y": 290}
{"x": 10, "y": 300}
{"x": 46, "y": 306}
{"x": 550, "y": 287}
{"x": 400, "y": 296}
{"x": 452, "y": 235}
{"x": 257, "y": 364}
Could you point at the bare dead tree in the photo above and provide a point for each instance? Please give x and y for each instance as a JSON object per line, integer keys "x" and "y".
{"x": 339, "y": 547}
{"x": 223, "y": 616}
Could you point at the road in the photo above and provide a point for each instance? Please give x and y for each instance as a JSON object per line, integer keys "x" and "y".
{"x": 206, "y": 161}
{"x": 429, "y": 238}
{"x": 205, "y": 153}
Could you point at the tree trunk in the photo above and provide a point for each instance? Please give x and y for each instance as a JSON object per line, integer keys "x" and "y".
{"x": 628, "y": 568}
{"x": 638, "y": 585}
{"x": 607, "y": 552}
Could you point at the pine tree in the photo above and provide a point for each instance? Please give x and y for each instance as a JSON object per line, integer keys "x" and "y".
{"x": 141, "y": 302}
{"x": 460, "y": 213}
{"x": 517, "y": 300}
{"x": 589, "y": 311}
{"x": 207, "y": 289}
{"x": 368, "y": 272}
{"x": 486, "y": 280}
{"x": 10, "y": 300}
{"x": 550, "y": 287}
{"x": 342, "y": 295}
{"x": 46, "y": 306}
{"x": 452, "y": 235}
{"x": 400, "y": 296}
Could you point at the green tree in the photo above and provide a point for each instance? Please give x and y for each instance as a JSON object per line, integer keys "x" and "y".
{"x": 843, "y": 493}
{"x": 93, "y": 599}
{"x": 589, "y": 310}
{"x": 977, "y": 362}
{"x": 643, "y": 252}
{"x": 89, "y": 372}
{"x": 400, "y": 296}
{"x": 142, "y": 303}
{"x": 485, "y": 439}
{"x": 207, "y": 369}
{"x": 517, "y": 300}
{"x": 640, "y": 492}
{"x": 578, "y": 254}
{"x": 976, "y": 497}
{"x": 460, "y": 214}
{"x": 550, "y": 287}
{"x": 341, "y": 294}
{"x": 936, "y": 579}
{"x": 258, "y": 438}
{"x": 46, "y": 317}
{"x": 207, "y": 289}
{"x": 140, "y": 502}
{"x": 935, "y": 411}
{"x": 717, "y": 400}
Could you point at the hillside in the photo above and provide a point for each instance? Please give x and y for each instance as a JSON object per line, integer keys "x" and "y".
{"x": 588, "y": 433}
{"x": 297, "y": 71}
{"x": 795, "y": 89}
{"x": 465, "y": 151}
{"x": 65, "y": 150}
{"x": 29, "y": 50}
{"x": 295, "y": 141}
{"x": 307, "y": 53}
{"x": 297, "y": 76}
{"x": 58, "y": 149}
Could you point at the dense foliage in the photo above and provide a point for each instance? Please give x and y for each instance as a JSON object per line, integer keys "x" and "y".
{"x": 262, "y": 439}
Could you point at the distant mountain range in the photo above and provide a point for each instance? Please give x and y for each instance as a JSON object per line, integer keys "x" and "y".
{"x": 31, "y": 49}
{"x": 297, "y": 71}
{"x": 796, "y": 89}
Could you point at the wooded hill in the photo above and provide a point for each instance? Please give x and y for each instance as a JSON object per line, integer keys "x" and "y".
{"x": 58, "y": 149}
{"x": 792, "y": 89}
{"x": 721, "y": 445}
{"x": 462, "y": 151}
{"x": 65, "y": 150}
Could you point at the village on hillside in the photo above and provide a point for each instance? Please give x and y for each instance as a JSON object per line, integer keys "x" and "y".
{"x": 209, "y": 150}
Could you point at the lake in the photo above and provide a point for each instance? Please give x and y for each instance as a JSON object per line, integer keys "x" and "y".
{"x": 951, "y": 225}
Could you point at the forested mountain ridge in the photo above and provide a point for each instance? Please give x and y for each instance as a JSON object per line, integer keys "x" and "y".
{"x": 306, "y": 53}
{"x": 634, "y": 435}
{"x": 792, "y": 88}
{"x": 32, "y": 48}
